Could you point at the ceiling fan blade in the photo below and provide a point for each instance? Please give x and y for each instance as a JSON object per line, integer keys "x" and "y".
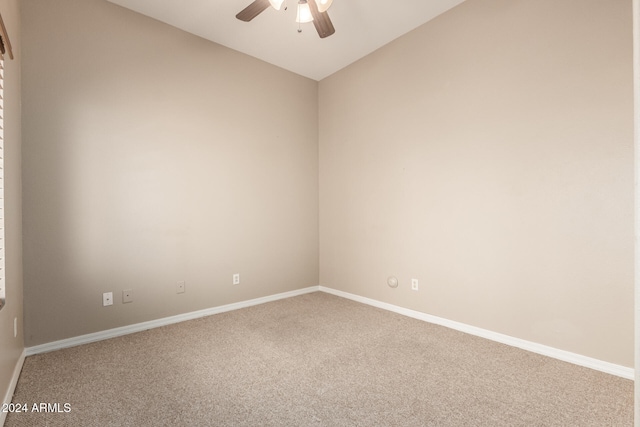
{"x": 253, "y": 10}
{"x": 321, "y": 20}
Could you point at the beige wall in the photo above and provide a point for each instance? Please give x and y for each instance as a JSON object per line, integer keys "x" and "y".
{"x": 489, "y": 154}
{"x": 636, "y": 115}
{"x": 11, "y": 347}
{"x": 153, "y": 156}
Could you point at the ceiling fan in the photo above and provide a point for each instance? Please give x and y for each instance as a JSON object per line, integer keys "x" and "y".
{"x": 308, "y": 10}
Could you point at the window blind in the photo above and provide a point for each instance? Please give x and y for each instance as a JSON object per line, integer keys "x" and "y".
{"x": 5, "y": 49}
{"x": 2, "y": 240}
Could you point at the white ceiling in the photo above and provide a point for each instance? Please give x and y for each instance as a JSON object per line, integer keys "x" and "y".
{"x": 362, "y": 26}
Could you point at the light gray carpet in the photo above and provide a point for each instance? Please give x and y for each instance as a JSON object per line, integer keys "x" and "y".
{"x": 314, "y": 360}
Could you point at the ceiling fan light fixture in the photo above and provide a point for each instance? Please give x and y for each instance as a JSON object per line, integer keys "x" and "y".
{"x": 323, "y": 5}
{"x": 276, "y": 4}
{"x": 307, "y": 11}
{"x": 304, "y": 13}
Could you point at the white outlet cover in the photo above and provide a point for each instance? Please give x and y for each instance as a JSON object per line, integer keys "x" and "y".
{"x": 107, "y": 299}
{"x": 180, "y": 287}
{"x": 414, "y": 284}
{"x": 236, "y": 279}
{"x": 127, "y": 296}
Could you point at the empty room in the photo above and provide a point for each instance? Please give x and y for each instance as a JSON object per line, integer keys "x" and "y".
{"x": 322, "y": 212}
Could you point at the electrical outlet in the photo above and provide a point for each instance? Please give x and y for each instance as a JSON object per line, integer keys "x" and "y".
{"x": 236, "y": 279}
{"x": 180, "y": 287}
{"x": 107, "y": 299}
{"x": 414, "y": 284}
{"x": 127, "y": 296}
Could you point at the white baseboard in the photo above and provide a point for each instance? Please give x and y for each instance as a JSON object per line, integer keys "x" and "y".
{"x": 565, "y": 356}
{"x": 138, "y": 327}
{"x": 12, "y": 385}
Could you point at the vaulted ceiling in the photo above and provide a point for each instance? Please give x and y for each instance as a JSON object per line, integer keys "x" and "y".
{"x": 362, "y": 26}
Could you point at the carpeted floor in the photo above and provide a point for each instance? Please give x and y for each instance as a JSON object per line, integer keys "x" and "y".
{"x": 314, "y": 360}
